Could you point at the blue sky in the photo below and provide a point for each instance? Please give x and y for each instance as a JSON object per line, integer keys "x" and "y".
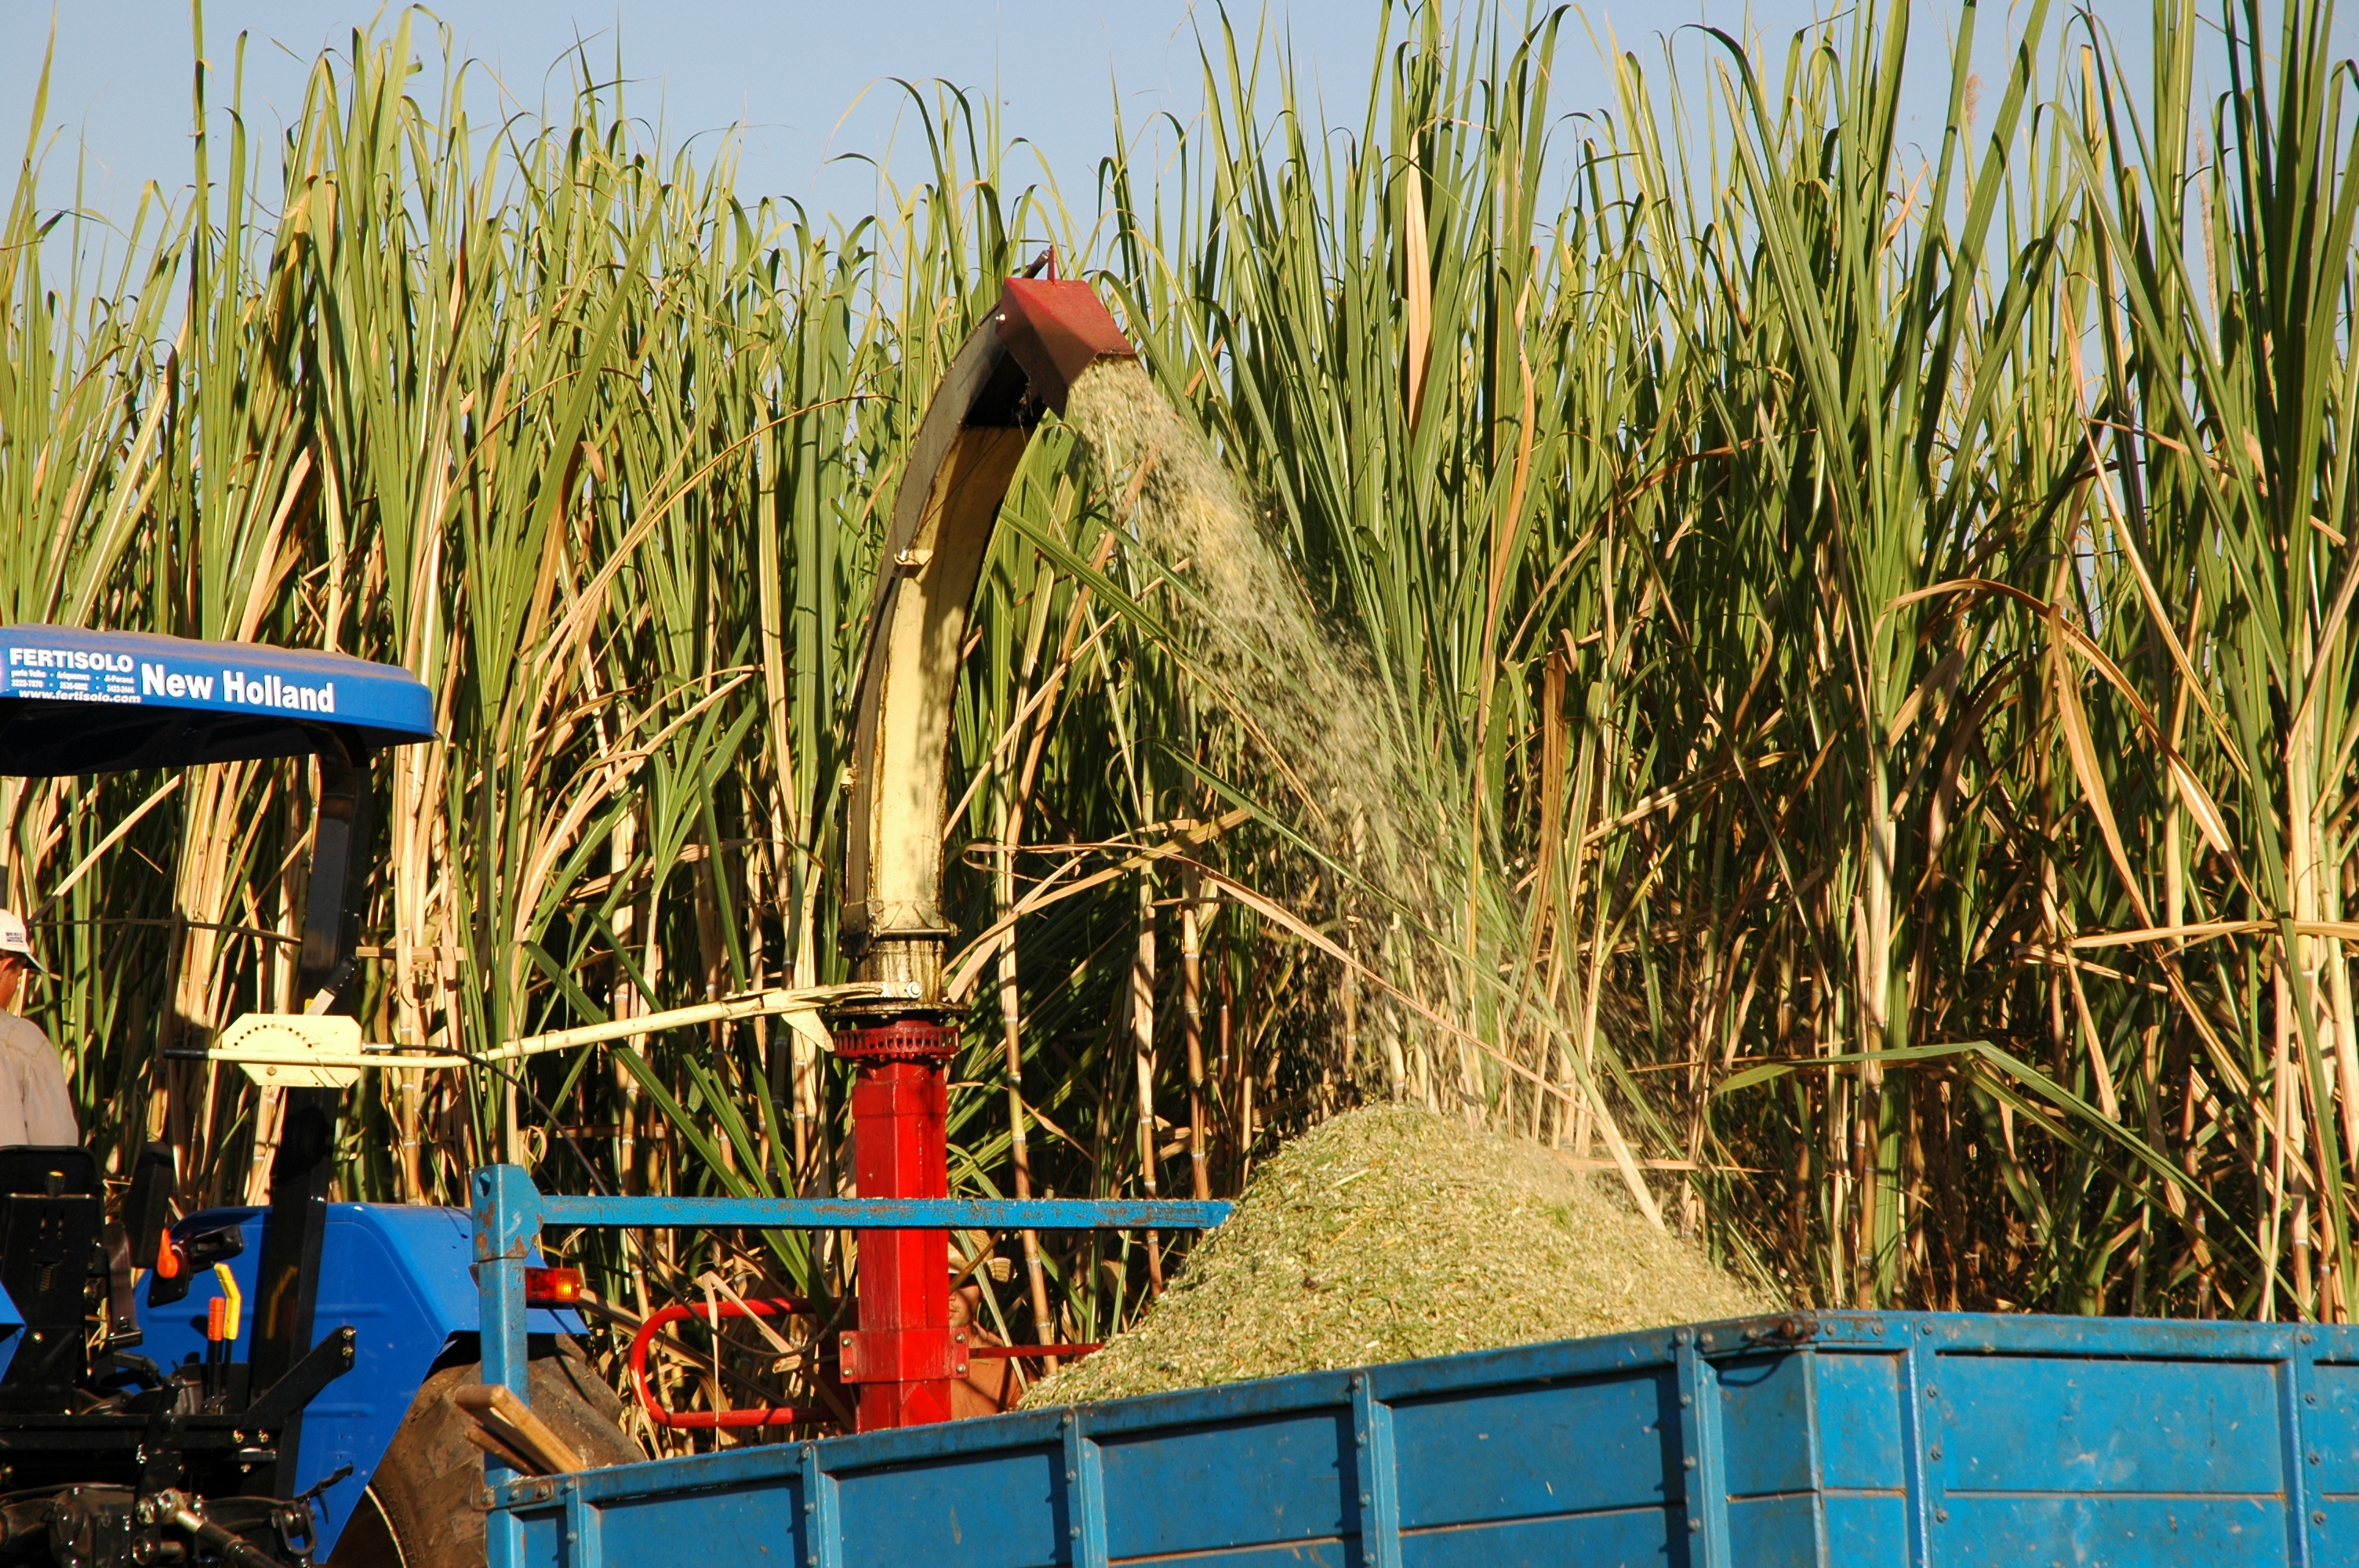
{"x": 810, "y": 82}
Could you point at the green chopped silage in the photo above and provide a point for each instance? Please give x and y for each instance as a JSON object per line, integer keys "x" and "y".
{"x": 1388, "y": 1234}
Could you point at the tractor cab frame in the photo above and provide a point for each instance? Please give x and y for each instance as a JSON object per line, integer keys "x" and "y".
{"x": 109, "y": 1458}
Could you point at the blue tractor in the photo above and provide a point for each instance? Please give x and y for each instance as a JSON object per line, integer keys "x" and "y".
{"x": 265, "y": 1386}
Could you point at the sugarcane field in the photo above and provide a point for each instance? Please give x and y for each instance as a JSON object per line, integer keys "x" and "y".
{"x": 1562, "y": 785}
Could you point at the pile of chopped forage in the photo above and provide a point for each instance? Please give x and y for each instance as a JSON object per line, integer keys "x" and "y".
{"x": 1389, "y": 1234}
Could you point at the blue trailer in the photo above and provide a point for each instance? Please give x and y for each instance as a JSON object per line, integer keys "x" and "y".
{"x": 1807, "y": 1438}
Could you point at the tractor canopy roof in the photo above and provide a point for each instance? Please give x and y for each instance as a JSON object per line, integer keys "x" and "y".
{"x": 92, "y": 702}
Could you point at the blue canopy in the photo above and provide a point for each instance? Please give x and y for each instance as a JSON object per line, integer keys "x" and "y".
{"x": 93, "y": 702}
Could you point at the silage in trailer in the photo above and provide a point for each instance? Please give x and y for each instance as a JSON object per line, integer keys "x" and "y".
{"x": 1389, "y": 1234}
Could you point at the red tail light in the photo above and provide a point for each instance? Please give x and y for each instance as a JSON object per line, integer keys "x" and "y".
{"x": 552, "y": 1287}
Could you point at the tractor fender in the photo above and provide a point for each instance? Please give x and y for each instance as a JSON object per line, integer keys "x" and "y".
{"x": 400, "y": 1276}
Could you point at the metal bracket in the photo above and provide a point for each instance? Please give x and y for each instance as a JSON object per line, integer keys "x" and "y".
{"x": 898, "y": 1354}
{"x": 324, "y": 1364}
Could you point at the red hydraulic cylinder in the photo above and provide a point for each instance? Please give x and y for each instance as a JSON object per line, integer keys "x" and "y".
{"x": 902, "y": 1357}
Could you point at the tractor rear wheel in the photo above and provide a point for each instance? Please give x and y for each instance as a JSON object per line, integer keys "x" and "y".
{"x": 422, "y": 1510}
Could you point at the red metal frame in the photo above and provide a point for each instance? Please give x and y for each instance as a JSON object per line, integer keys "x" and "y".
{"x": 905, "y": 1355}
{"x": 902, "y": 1357}
{"x": 706, "y": 1421}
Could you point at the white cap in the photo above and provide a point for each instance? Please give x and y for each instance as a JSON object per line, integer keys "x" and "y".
{"x": 15, "y": 942}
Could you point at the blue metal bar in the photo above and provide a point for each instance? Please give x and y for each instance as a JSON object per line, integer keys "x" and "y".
{"x": 2297, "y": 1394}
{"x": 1379, "y": 1477}
{"x": 822, "y": 1526}
{"x": 883, "y": 1214}
{"x": 1701, "y": 1455}
{"x": 585, "y": 1545}
{"x": 1085, "y": 1506}
{"x": 1920, "y": 1368}
{"x": 507, "y": 1222}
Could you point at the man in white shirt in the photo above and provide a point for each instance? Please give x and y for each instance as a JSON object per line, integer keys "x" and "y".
{"x": 35, "y": 1106}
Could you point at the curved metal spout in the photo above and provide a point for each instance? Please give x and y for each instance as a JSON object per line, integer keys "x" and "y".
{"x": 1023, "y": 357}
